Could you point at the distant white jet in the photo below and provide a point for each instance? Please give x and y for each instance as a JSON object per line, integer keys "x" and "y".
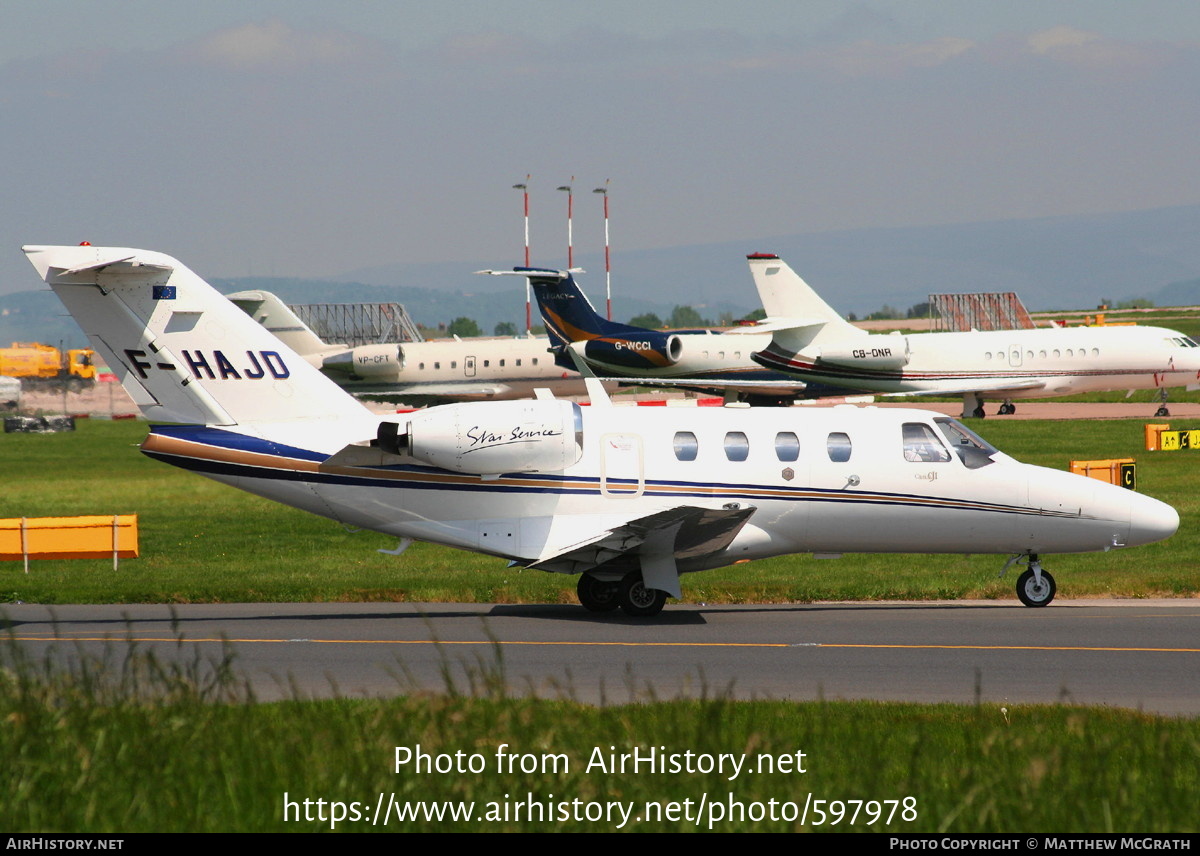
{"x": 816, "y": 345}
{"x": 627, "y": 498}
{"x": 420, "y": 372}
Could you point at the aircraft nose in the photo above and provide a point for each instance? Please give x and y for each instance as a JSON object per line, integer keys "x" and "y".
{"x": 1150, "y": 520}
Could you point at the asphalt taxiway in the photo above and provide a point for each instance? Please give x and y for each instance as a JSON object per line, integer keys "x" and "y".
{"x": 1142, "y": 654}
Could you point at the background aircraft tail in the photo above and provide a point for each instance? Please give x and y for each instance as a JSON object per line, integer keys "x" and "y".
{"x": 785, "y": 296}
{"x": 570, "y": 317}
{"x": 182, "y": 351}
{"x": 267, "y": 309}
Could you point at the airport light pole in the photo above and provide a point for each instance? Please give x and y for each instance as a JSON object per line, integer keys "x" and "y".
{"x": 524, "y": 188}
{"x": 603, "y": 191}
{"x": 570, "y": 244}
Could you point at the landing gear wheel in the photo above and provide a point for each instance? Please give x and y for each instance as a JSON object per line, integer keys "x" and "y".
{"x": 1162, "y": 411}
{"x": 597, "y": 595}
{"x": 1007, "y": 409}
{"x": 1031, "y": 594}
{"x": 979, "y": 414}
{"x": 637, "y": 600}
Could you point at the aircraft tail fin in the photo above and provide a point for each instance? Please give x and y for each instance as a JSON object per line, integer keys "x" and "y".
{"x": 568, "y": 314}
{"x": 785, "y": 295}
{"x": 182, "y": 351}
{"x": 267, "y": 309}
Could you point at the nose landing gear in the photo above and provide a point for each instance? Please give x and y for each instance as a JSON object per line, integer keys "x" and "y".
{"x": 1035, "y": 587}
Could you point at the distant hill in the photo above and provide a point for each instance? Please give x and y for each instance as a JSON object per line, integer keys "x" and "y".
{"x": 1053, "y": 263}
{"x": 38, "y": 316}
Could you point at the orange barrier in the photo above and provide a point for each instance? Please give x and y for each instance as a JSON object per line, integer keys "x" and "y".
{"x": 69, "y": 538}
{"x": 1119, "y": 471}
{"x": 1153, "y": 430}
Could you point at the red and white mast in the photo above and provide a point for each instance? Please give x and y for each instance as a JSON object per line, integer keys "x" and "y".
{"x": 524, "y": 188}
{"x": 570, "y": 208}
{"x": 603, "y": 191}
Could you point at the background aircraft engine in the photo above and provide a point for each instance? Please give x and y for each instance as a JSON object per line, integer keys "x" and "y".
{"x": 488, "y": 438}
{"x": 635, "y": 350}
{"x": 876, "y": 352}
{"x": 367, "y": 361}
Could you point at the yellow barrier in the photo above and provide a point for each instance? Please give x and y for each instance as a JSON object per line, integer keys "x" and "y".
{"x": 1121, "y": 471}
{"x": 69, "y": 538}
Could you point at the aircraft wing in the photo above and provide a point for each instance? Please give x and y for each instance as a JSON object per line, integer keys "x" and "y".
{"x": 961, "y": 386}
{"x": 433, "y": 393}
{"x": 659, "y": 541}
{"x": 783, "y": 387}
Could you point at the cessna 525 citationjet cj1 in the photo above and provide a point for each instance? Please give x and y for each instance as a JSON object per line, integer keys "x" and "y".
{"x": 629, "y": 499}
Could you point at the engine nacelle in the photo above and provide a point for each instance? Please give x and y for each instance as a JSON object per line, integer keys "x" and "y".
{"x": 873, "y": 352}
{"x": 367, "y": 361}
{"x": 489, "y": 438}
{"x": 635, "y": 350}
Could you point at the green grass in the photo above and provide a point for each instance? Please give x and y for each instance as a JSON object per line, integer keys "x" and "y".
{"x": 205, "y": 542}
{"x": 132, "y": 745}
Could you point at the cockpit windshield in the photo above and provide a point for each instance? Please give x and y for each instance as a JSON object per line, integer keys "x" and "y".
{"x": 972, "y": 450}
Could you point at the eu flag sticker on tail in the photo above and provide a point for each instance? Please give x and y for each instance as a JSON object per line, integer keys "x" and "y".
{"x": 164, "y": 292}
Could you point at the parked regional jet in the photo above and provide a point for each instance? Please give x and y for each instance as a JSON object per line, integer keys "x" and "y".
{"x": 817, "y": 346}
{"x": 420, "y": 372}
{"x": 688, "y": 359}
{"x": 628, "y": 498}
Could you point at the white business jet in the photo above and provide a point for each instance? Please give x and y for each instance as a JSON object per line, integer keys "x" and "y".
{"x": 431, "y": 372}
{"x": 627, "y": 498}
{"x": 816, "y": 345}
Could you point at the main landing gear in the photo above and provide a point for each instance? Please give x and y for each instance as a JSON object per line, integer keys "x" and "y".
{"x": 1162, "y": 404}
{"x": 629, "y": 593}
{"x": 1007, "y": 408}
{"x": 1035, "y": 587}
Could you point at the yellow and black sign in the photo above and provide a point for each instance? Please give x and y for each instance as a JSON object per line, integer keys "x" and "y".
{"x": 1170, "y": 441}
{"x": 1129, "y": 475}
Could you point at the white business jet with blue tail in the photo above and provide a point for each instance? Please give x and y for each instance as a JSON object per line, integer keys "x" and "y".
{"x": 628, "y": 499}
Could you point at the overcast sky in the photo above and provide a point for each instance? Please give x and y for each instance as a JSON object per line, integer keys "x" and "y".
{"x": 310, "y": 138}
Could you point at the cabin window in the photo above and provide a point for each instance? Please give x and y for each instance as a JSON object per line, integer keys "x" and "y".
{"x": 787, "y": 446}
{"x": 921, "y": 444}
{"x": 972, "y": 450}
{"x": 1042, "y": 353}
{"x": 737, "y": 447}
{"x": 518, "y": 361}
{"x": 438, "y": 364}
{"x": 1095, "y": 352}
{"x": 486, "y": 363}
{"x": 686, "y": 446}
{"x": 535, "y": 359}
{"x": 502, "y": 364}
{"x": 454, "y": 364}
{"x": 1070, "y": 352}
{"x": 987, "y": 355}
{"x": 1057, "y": 353}
{"x": 421, "y": 366}
{"x": 839, "y": 447}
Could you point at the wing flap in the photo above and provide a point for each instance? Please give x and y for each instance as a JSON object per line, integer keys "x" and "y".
{"x": 659, "y": 540}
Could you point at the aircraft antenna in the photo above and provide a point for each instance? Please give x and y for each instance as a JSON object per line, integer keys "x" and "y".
{"x": 607, "y": 267}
